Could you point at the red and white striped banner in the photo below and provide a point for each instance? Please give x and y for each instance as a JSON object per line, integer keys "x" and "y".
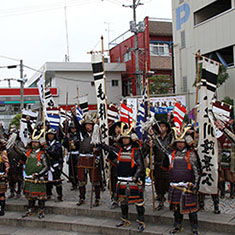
{"x": 179, "y": 113}
{"x": 126, "y": 114}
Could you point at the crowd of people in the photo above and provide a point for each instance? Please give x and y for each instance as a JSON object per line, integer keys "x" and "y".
{"x": 172, "y": 158}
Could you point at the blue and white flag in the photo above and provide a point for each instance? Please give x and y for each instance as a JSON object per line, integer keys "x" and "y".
{"x": 54, "y": 120}
{"x": 79, "y": 114}
{"x": 142, "y": 116}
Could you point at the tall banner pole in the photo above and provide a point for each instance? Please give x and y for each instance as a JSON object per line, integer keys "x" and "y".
{"x": 44, "y": 105}
{"x": 197, "y": 91}
{"x": 151, "y": 148}
{"x": 102, "y": 51}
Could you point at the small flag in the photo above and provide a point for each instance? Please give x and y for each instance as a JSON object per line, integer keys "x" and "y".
{"x": 126, "y": 114}
{"x": 54, "y": 120}
{"x": 83, "y": 103}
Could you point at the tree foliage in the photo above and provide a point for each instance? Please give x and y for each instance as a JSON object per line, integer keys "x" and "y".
{"x": 160, "y": 84}
{"x": 16, "y": 120}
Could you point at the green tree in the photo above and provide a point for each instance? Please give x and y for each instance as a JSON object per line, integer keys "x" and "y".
{"x": 16, "y": 120}
{"x": 160, "y": 84}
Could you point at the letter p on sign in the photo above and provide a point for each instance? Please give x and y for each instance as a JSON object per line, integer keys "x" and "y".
{"x": 182, "y": 15}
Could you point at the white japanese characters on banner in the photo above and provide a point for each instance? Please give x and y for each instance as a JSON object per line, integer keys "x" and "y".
{"x": 24, "y": 131}
{"x": 102, "y": 110}
{"x": 207, "y": 144}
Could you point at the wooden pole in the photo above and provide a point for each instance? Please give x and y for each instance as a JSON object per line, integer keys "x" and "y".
{"x": 105, "y": 89}
{"x": 151, "y": 148}
{"x": 197, "y": 91}
{"x": 44, "y": 105}
{"x": 78, "y": 96}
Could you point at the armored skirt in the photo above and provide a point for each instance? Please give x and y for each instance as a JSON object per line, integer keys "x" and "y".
{"x": 35, "y": 189}
{"x": 129, "y": 191}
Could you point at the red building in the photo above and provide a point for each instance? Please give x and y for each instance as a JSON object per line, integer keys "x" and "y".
{"x": 154, "y": 44}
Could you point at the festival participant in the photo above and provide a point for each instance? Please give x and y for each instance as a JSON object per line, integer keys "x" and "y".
{"x": 162, "y": 133}
{"x": 71, "y": 143}
{"x": 88, "y": 160}
{"x": 54, "y": 153}
{"x": 130, "y": 170}
{"x": 184, "y": 179}
{"x": 114, "y": 132}
{"x": 228, "y": 157}
{"x": 15, "y": 174}
{"x": 4, "y": 167}
{"x": 36, "y": 167}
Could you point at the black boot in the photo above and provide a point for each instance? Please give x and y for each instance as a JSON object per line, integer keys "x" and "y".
{"x": 82, "y": 190}
{"x": 18, "y": 193}
{"x": 222, "y": 189}
{"x": 97, "y": 196}
{"x": 124, "y": 219}
{"x": 31, "y": 207}
{"x": 178, "y": 219}
{"x": 201, "y": 198}
{"x": 161, "y": 202}
{"x": 2, "y": 207}
{"x": 215, "y": 199}
{"x": 194, "y": 222}
{"x": 41, "y": 211}
{"x": 60, "y": 197}
{"x": 140, "y": 220}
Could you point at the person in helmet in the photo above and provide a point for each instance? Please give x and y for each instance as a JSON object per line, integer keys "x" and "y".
{"x": 54, "y": 153}
{"x": 71, "y": 143}
{"x": 183, "y": 172}
{"x": 161, "y": 132}
{"x": 36, "y": 167}
{"x": 4, "y": 167}
{"x": 130, "y": 168}
{"x": 15, "y": 174}
{"x": 88, "y": 161}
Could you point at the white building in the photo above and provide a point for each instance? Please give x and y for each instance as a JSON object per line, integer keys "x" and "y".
{"x": 68, "y": 76}
{"x": 208, "y": 26}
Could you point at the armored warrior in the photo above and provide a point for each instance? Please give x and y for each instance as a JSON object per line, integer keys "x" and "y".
{"x": 130, "y": 169}
{"x": 114, "y": 132}
{"x": 4, "y": 167}
{"x": 15, "y": 174}
{"x": 228, "y": 158}
{"x": 88, "y": 160}
{"x": 54, "y": 153}
{"x": 36, "y": 166}
{"x": 183, "y": 177}
{"x": 72, "y": 143}
{"x": 161, "y": 141}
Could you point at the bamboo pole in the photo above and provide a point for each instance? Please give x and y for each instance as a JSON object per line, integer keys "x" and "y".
{"x": 44, "y": 105}
{"x": 105, "y": 89}
{"x": 151, "y": 148}
{"x": 197, "y": 91}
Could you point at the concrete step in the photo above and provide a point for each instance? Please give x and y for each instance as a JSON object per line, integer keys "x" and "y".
{"x": 85, "y": 224}
{"x": 207, "y": 220}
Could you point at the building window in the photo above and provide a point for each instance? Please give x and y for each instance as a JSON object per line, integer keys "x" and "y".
{"x": 92, "y": 83}
{"x": 114, "y": 82}
{"x": 159, "y": 49}
{"x": 224, "y": 56}
{"x": 185, "y": 84}
{"x": 211, "y": 10}
{"x": 127, "y": 56}
{"x": 183, "y": 40}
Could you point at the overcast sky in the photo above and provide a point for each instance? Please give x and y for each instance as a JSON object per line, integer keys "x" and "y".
{"x": 35, "y": 30}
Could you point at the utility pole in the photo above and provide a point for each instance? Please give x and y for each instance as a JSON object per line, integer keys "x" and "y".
{"x": 136, "y": 28}
{"x": 21, "y": 85}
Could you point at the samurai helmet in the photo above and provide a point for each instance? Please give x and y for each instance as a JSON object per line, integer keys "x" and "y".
{"x": 37, "y": 135}
{"x": 125, "y": 132}
{"x": 51, "y": 131}
{"x": 89, "y": 119}
{"x": 182, "y": 136}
